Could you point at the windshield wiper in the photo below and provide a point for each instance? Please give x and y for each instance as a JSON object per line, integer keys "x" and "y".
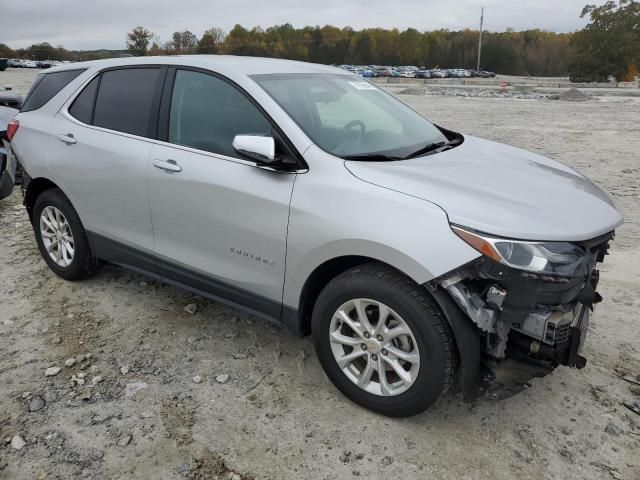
{"x": 433, "y": 148}
{"x": 371, "y": 157}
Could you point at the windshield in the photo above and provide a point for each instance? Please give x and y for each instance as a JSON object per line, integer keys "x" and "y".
{"x": 350, "y": 117}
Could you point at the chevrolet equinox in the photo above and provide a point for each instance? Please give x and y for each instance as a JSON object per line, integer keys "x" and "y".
{"x": 418, "y": 258}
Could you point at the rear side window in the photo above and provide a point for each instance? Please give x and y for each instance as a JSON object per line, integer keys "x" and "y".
{"x": 46, "y": 86}
{"x": 82, "y": 107}
{"x": 124, "y": 100}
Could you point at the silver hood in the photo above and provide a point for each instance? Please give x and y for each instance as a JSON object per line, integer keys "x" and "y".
{"x": 501, "y": 190}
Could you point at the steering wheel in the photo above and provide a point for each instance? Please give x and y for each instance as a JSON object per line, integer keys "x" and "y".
{"x": 345, "y": 130}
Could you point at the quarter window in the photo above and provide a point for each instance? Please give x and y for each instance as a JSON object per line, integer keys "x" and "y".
{"x": 46, "y": 86}
{"x": 82, "y": 107}
{"x": 125, "y": 100}
{"x": 207, "y": 113}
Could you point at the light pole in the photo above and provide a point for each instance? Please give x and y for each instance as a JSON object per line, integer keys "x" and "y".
{"x": 480, "y": 38}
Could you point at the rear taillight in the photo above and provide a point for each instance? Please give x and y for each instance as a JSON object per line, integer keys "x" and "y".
{"x": 12, "y": 128}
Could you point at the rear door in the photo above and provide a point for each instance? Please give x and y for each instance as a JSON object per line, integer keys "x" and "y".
{"x": 220, "y": 222}
{"x": 100, "y": 152}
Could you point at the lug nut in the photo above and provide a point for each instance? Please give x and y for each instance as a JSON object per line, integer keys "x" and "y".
{"x": 384, "y": 352}
{"x": 374, "y": 357}
{"x": 379, "y": 337}
{"x": 363, "y": 346}
{"x": 367, "y": 334}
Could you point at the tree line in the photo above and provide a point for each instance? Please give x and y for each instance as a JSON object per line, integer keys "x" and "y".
{"x": 608, "y": 46}
{"x": 532, "y": 52}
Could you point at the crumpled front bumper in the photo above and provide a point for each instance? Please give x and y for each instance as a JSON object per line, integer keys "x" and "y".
{"x": 535, "y": 318}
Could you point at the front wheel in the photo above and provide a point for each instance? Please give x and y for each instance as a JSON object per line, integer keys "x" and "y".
{"x": 382, "y": 341}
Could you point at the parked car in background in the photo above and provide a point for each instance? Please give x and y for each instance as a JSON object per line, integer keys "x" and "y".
{"x": 30, "y": 64}
{"x": 4, "y": 63}
{"x": 423, "y": 74}
{"x": 8, "y": 164}
{"x": 9, "y": 99}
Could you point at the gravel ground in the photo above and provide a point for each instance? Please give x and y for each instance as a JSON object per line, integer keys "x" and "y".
{"x": 167, "y": 385}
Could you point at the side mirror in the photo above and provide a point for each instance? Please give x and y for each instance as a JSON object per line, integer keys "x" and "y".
{"x": 255, "y": 147}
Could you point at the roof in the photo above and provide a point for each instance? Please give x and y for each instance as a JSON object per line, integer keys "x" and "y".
{"x": 239, "y": 64}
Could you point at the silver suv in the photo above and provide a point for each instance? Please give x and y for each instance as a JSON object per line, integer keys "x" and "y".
{"x": 417, "y": 257}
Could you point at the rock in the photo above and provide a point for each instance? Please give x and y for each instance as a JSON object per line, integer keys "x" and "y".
{"x": 56, "y": 340}
{"x": 26, "y": 395}
{"x": 143, "y": 284}
{"x": 124, "y": 441}
{"x": 124, "y": 370}
{"x": 386, "y": 461}
{"x": 191, "y": 308}
{"x": 81, "y": 375}
{"x": 147, "y": 414}
{"x": 97, "y": 379}
{"x": 613, "y": 429}
{"x": 222, "y": 378}
{"x": 17, "y": 442}
{"x": 52, "y": 371}
{"x": 87, "y": 356}
{"x": 239, "y": 356}
{"x": 37, "y": 403}
{"x": 197, "y": 379}
{"x": 346, "y": 456}
{"x": 132, "y": 388}
{"x": 70, "y": 362}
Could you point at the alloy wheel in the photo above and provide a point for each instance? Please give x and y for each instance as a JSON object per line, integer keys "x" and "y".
{"x": 57, "y": 237}
{"x": 374, "y": 347}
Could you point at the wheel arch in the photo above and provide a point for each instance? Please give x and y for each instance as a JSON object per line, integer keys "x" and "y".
{"x": 466, "y": 338}
{"x": 32, "y": 190}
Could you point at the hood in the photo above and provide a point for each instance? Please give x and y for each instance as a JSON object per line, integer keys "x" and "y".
{"x": 501, "y": 190}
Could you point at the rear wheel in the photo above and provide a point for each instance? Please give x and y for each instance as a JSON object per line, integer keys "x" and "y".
{"x": 61, "y": 237}
{"x": 382, "y": 341}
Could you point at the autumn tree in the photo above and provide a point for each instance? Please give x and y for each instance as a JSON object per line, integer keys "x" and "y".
{"x": 138, "y": 40}
{"x": 610, "y": 44}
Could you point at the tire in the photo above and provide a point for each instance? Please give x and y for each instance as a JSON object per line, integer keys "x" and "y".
{"x": 82, "y": 263}
{"x": 364, "y": 288}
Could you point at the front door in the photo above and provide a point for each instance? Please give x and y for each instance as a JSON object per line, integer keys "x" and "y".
{"x": 219, "y": 221}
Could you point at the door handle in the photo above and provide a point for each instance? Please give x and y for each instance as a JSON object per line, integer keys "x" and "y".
{"x": 69, "y": 139}
{"x": 167, "y": 165}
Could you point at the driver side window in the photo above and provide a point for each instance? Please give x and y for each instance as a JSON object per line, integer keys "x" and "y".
{"x": 207, "y": 113}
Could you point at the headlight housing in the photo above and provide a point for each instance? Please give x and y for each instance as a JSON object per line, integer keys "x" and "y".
{"x": 555, "y": 258}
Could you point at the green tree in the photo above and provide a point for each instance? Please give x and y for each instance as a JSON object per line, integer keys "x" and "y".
{"x": 183, "y": 42}
{"x": 211, "y": 40}
{"x": 6, "y": 52}
{"x": 609, "y": 44}
{"x": 138, "y": 40}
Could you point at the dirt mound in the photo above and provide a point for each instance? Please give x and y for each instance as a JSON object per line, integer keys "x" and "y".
{"x": 571, "y": 95}
{"x": 412, "y": 91}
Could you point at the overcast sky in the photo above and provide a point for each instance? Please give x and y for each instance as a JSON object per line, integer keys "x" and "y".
{"x": 89, "y": 24}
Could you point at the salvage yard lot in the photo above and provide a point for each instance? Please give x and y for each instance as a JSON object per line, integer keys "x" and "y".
{"x": 262, "y": 406}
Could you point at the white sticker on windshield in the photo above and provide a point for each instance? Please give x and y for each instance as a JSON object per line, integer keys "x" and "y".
{"x": 363, "y": 85}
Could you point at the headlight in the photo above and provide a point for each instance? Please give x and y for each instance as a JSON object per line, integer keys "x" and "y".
{"x": 559, "y": 258}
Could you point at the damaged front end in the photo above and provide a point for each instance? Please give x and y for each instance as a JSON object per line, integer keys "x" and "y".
{"x": 530, "y": 301}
